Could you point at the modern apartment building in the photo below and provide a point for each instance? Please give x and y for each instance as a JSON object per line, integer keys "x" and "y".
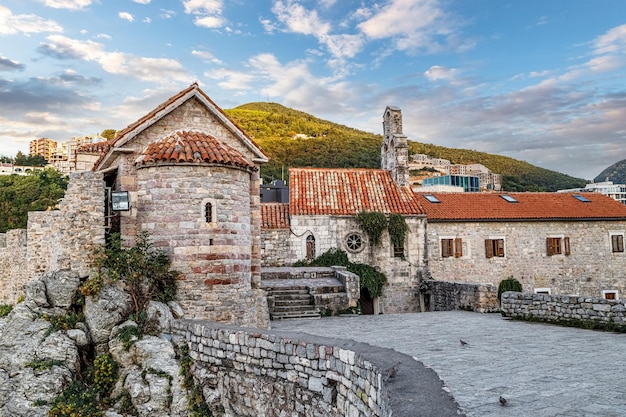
{"x": 44, "y": 147}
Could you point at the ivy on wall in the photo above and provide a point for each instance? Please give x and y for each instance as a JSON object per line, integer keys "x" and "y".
{"x": 397, "y": 229}
{"x": 374, "y": 223}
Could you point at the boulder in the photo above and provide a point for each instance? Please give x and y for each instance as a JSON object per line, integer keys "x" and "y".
{"x": 160, "y": 313}
{"x": 61, "y": 287}
{"x": 108, "y": 309}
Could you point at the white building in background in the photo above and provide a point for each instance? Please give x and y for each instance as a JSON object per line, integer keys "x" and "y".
{"x": 615, "y": 191}
{"x": 487, "y": 179}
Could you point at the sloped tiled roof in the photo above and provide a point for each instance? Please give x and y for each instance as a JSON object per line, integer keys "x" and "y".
{"x": 192, "y": 147}
{"x": 274, "y": 216}
{"x": 165, "y": 108}
{"x": 347, "y": 192}
{"x": 95, "y": 148}
{"x": 529, "y": 207}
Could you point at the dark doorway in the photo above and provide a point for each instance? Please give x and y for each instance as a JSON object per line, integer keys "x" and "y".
{"x": 367, "y": 302}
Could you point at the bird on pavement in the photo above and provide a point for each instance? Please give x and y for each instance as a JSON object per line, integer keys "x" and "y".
{"x": 502, "y": 400}
{"x": 391, "y": 372}
{"x": 463, "y": 342}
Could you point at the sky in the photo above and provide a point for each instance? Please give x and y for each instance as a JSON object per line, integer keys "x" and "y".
{"x": 535, "y": 80}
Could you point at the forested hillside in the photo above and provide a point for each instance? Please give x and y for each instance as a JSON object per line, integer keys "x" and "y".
{"x": 293, "y": 138}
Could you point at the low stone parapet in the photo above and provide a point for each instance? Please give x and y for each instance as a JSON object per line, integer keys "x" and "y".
{"x": 581, "y": 310}
{"x": 256, "y": 374}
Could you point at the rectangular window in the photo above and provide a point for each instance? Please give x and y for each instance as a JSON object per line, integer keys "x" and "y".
{"x": 610, "y": 295}
{"x": 557, "y": 246}
{"x": 452, "y": 248}
{"x": 617, "y": 243}
{"x": 494, "y": 248}
{"x": 398, "y": 251}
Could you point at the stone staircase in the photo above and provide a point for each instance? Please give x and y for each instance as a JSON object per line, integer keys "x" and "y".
{"x": 293, "y": 302}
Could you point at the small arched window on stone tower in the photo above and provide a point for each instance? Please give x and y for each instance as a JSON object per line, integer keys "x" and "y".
{"x": 310, "y": 247}
{"x": 208, "y": 212}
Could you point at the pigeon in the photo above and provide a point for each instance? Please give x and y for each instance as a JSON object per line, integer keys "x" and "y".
{"x": 391, "y": 372}
{"x": 502, "y": 400}
{"x": 463, "y": 342}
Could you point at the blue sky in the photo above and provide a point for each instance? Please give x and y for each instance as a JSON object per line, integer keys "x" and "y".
{"x": 541, "y": 81}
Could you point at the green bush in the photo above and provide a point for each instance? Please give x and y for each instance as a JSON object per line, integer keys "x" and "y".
{"x": 509, "y": 284}
{"x": 5, "y": 309}
{"x": 145, "y": 269}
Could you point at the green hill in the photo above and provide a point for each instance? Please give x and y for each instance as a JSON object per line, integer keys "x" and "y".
{"x": 615, "y": 173}
{"x": 292, "y": 138}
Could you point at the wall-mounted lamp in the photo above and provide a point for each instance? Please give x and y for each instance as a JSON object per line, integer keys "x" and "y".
{"x": 120, "y": 201}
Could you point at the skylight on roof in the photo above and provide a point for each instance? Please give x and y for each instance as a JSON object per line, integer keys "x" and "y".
{"x": 431, "y": 198}
{"x": 508, "y": 198}
{"x": 581, "y": 198}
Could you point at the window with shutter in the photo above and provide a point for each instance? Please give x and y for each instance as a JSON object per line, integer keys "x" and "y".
{"x": 617, "y": 243}
{"x": 446, "y": 248}
{"x": 489, "y": 248}
{"x": 557, "y": 246}
{"x": 458, "y": 247}
{"x": 566, "y": 247}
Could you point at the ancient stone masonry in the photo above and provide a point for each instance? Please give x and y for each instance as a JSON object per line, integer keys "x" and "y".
{"x": 560, "y": 308}
{"x": 448, "y": 296}
{"x": 54, "y": 240}
{"x": 258, "y": 374}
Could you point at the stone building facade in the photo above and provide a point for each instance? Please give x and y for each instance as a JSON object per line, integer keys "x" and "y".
{"x": 192, "y": 178}
{"x": 550, "y": 242}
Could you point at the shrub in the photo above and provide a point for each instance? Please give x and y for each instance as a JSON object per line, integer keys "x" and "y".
{"x": 5, "y": 309}
{"x": 509, "y": 284}
{"x": 104, "y": 374}
{"x": 144, "y": 268}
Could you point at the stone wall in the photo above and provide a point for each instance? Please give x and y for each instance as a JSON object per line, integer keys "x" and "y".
{"x": 590, "y": 268}
{"x": 54, "y": 240}
{"x": 448, "y": 296}
{"x": 258, "y": 374}
{"x": 276, "y": 249}
{"x": 559, "y": 308}
{"x": 13, "y": 265}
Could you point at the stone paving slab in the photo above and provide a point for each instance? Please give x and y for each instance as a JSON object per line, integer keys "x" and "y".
{"x": 542, "y": 370}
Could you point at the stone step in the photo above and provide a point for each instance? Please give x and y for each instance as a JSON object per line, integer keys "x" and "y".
{"x": 294, "y": 308}
{"x": 295, "y": 315}
{"x": 287, "y": 290}
{"x": 291, "y": 302}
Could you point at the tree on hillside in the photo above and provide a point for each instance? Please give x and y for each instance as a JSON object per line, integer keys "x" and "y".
{"x": 35, "y": 192}
{"x": 108, "y": 133}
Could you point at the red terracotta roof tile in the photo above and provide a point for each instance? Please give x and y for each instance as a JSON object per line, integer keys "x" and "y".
{"x": 95, "y": 148}
{"x": 274, "y": 216}
{"x": 192, "y": 147}
{"x": 529, "y": 207}
{"x": 347, "y": 192}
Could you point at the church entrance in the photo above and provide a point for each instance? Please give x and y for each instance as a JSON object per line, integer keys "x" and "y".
{"x": 367, "y": 302}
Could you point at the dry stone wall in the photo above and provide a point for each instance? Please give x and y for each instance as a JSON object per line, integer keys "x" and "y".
{"x": 54, "y": 240}
{"x": 260, "y": 374}
{"x": 449, "y": 296}
{"x": 563, "y": 308}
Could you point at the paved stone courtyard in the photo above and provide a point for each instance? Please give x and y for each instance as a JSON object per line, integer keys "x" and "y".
{"x": 542, "y": 370}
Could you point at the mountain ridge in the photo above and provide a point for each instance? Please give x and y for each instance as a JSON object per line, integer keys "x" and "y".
{"x": 293, "y": 138}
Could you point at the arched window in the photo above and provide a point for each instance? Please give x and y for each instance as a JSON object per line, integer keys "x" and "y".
{"x": 208, "y": 212}
{"x": 310, "y": 247}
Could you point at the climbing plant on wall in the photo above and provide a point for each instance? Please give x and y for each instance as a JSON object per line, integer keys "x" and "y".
{"x": 397, "y": 229}
{"x": 373, "y": 223}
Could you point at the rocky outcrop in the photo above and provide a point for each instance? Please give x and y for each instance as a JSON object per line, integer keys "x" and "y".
{"x": 45, "y": 346}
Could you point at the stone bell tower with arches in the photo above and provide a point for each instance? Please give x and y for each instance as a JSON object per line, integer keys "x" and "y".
{"x": 394, "y": 151}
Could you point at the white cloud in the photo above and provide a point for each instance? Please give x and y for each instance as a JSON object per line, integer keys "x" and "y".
{"x": 159, "y": 70}
{"x": 126, "y": 16}
{"x": 11, "y": 24}
{"x": 614, "y": 41}
{"x": 142, "y": 1}
{"x": 66, "y": 4}
{"x": 207, "y": 57}
{"x": 298, "y": 19}
{"x": 210, "y": 22}
{"x": 231, "y": 80}
{"x": 208, "y": 12}
{"x": 437, "y": 72}
{"x": 414, "y": 25}
{"x": 147, "y": 20}
{"x": 167, "y": 14}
